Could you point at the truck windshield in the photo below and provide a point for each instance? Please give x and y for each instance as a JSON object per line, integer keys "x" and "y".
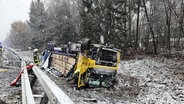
{"x": 107, "y": 55}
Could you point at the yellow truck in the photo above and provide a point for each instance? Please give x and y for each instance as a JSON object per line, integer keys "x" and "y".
{"x": 97, "y": 67}
{"x": 93, "y": 65}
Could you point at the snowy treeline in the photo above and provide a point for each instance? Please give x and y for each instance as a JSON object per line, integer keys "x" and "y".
{"x": 131, "y": 25}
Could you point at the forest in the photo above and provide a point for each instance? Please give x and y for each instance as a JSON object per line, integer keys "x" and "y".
{"x": 134, "y": 26}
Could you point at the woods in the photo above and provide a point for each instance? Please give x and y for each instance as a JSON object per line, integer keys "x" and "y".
{"x": 134, "y": 26}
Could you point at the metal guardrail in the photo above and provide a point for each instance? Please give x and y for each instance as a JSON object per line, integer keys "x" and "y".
{"x": 27, "y": 95}
{"x": 11, "y": 50}
{"x": 52, "y": 92}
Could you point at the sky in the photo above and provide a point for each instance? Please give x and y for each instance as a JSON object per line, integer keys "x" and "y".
{"x": 10, "y": 11}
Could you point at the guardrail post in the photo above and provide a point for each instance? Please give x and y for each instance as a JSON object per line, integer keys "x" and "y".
{"x": 33, "y": 81}
{"x": 44, "y": 100}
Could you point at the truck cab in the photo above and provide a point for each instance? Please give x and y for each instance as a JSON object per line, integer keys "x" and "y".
{"x": 97, "y": 66}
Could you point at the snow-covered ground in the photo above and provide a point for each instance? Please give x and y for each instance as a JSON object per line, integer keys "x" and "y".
{"x": 160, "y": 81}
{"x": 9, "y": 69}
{"x": 146, "y": 80}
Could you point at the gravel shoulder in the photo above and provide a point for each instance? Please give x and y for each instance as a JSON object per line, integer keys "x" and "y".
{"x": 9, "y": 69}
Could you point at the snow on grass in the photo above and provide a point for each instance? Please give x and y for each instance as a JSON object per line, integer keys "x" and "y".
{"x": 157, "y": 81}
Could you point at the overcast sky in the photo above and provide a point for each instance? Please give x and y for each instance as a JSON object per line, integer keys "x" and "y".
{"x": 12, "y": 10}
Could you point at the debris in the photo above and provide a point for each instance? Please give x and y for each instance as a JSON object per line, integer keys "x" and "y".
{"x": 28, "y": 67}
{"x": 3, "y": 70}
{"x": 91, "y": 100}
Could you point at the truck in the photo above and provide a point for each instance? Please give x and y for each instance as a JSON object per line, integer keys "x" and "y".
{"x": 93, "y": 65}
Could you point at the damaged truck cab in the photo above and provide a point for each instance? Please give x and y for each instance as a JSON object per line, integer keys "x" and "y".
{"x": 97, "y": 66}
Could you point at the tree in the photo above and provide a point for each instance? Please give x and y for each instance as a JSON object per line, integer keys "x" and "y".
{"x": 37, "y": 23}
{"x": 179, "y": 14}
{"x": 137, "y": 27}
{"x": 104, "y": 17}
{"x": 150, "y": 27}
{"x": 62, "y": 23}
{"x": 167, "y": 5}
{"x": 19, "y": 35}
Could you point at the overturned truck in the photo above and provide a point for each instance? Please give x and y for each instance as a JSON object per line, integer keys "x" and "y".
{"x": 92, "y": 65}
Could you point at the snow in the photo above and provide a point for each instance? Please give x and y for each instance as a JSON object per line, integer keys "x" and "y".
{"x": 147, "y": 80}
{"x": 144, "y": 80}
{"x": 157, "y": 81}
{"x": 85, "y": 9}
{"x": 93, "y": 5}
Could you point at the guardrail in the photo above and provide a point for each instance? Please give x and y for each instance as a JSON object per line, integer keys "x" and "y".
{"x": 27, "y": 95}
{"x": 53, "y": 93}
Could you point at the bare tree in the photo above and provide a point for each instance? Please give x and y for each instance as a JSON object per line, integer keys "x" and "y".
{"x": 167, "y": 5}
{"x": 137, "y": 26}
{"x": 150, "y": 27}
{"x": 19, "y": 35}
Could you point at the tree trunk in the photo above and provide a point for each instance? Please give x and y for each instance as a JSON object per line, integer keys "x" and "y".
{"x": 168, "y": 21}
{"x": 180, "y": 21}
{"x": 137, "y": 30}
{"x": 129, "y": 23}
{"x": 151, "y": 29}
